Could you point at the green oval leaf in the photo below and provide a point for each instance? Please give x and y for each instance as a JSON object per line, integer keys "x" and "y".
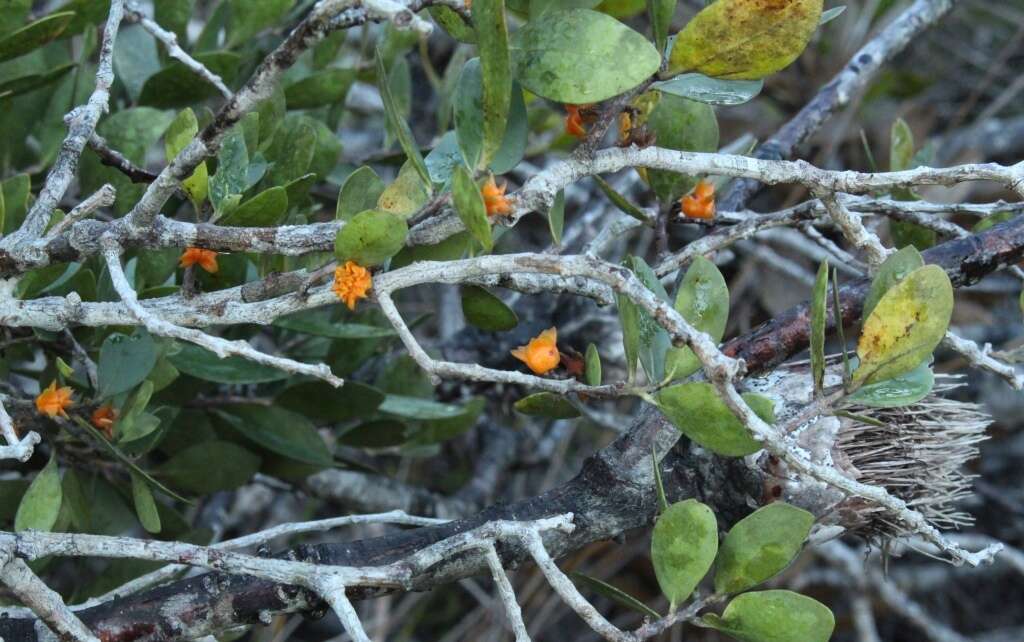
{"x": 280, "y": 431}
{"x": 703, "y": 300}
{"x": 179, "y": 134}
{"x": 40, "y": 505}
{"x": 745, "y": 39}
{"x": 713, "y": 91}
{"x": 360, "y": 192}
{"x": 547, "y": 404}
{"x": 653, "y": 339}
{"x": 399, "y": 125}
{"x": 593, "y": 366}
{"x": 697, "y": 411}
{"x": 327, "y": 87}
{"x": 177, "y": 86}
{"x": 370, "y": 238}
{"x": 556, "y": 217}
{"x": 34, "y": 35}
{"x": 683, "y": 546}
{"x": 321, "y": 401}
{"x": 125, "y": 360}
{"x": 495, "y": 66}
{"x": 580, "y": 56}
{"x": 210, "y": 466}
{"x": 775, "y": 616}
{"x": 906, "y": 325}
{"x": 486, "y": 311}
{"x": 203, "y": 364}
{"x": 761, "y": 545}
{"x": 469, "y": 205}
{"x": 681, "y": 124}
{"x": 266, "y": 209}
{"x": 145, "y": 505}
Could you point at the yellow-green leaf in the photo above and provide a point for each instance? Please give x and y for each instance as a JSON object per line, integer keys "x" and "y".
{"x": 469, "y": 205}
{"x": 145, "y": 505}
{"x": 906, "y": 325}
{"x": 819, "y": 316}
{"x": 40, "y": 505}
{"x": 745, "y": 39}
{"x": 774, "y": 616}
{"x": 179, "y": 134}
{"x": 697, "y": 411}
{"x": 760, "y": 545}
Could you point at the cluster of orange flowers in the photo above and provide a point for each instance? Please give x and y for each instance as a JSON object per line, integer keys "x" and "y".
{"x": 351, "y": 283}
{"x": 577, "y": 118}
{"x": 55, "y": 401}
{"x": 494, "y": 198}
{"x": 701, "y": 203}
{"x": 206, "y": 259}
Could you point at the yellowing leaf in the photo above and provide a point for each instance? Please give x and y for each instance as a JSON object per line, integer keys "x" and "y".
{"x": 905, "y": 326}
{"x": 745, "y": 39}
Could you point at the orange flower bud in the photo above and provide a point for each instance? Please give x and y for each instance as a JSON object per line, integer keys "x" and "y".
{"x": 494, "y": 198}
{"x": 103, "y": 418}
{"x": 206, "y": 259}
{"x": 351, "y": 283}
{"x": 54, "y": 401}
{"x": 625, "y": 127}
{"x": 574, "y": 122}
{"x": 701, "y": 203}
{"x": 541, "y": 353}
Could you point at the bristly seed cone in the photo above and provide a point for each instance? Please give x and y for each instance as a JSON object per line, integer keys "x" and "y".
{"x": 917, "y": 453}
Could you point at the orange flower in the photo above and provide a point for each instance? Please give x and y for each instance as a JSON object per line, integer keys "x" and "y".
{"x": 206, "y": 259}
{"x": 103, "y": 418}
{"x": 574, "y": 122}
{"x": 541, "y": 353}
{"x": 494, "y": 198}
{"x": 700, "y": 204}
{"x": 54, "y": 401}
{"x": 625, "y": 127}
{"x": 351, "y": 283}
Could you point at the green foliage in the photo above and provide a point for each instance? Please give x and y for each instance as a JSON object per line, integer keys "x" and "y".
{"x": 40, "y": 505}
{"x": 547, "y": 404}
{"x": 125, "y": 360}
{"x": 699, "y": 413}
{"x": 683, "y": 547}
{"x": 745, "y": 39}
{"x": 469, "y": 205}
{"x": 819, "y": 303}
{"x": 681, "y": 124}
{"x": 703, "y": 300}
{"x": 761, "y": 545}
{"x": 774, "y": 616}
{"x": 370, "y": 238}
{"x": 486, "y": 311}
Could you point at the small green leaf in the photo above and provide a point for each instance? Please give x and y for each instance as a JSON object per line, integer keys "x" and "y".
{"x": 248, "y": 18}
{"x": 774, "y": 616}
{"x": 760, "y": 545}
{"x": 179, "y": 134}
{"x": 620, "y": 201}
{"x": 556, "y": 217}
{"x": 819, "y": 316}
{"x": 266, "y": 209}
{"x": 210, "y": 466}
{"x": 893, "y": 270}
{"x": 433, "y": 431}
{"x": 327, "y": 87}
{"x": 370, "y": 238}
{"x": 323, "y": 402}
{"x": 125, "y": 360}
{"x": 399, "y": 125}
{"x": 906, "y": 325}
{"x": 417, "y": 408}
{"x": 745, "y": 39}
{"x": 468, "y": 112}
{"x": 380, "y": 433}
{"x": 176, "y": 86}
{"x": 547, "y": 404}
{"x": 280, "y": 431}
{"x": 661, "y": 12}
{"x": 713, "y": 91}
{"x": 681, "y": 124}
{"x": 580, "y": 56}
{"x": 495, "y": 65}
{"x": 654, "y": 341}
{"x": 703, "y": 300}
{"x": 659, "y": 487}
{"x": 896, "y": 392}
{"x": 469, "y": 205}
{"x": 321, "y": 323}
{"x": 615, "y": 594}
{"x": 203, "y": 364}
{"x": 831, "y": 14}
{"x": 31, "y": 82}
{"x": 683, "y": 547}
{"x": 700, "y": 414}
{"x": 593, "y": 366}
{"x": 34, "y": 35}
{"x": 360, "y": 192}
{"x": 231, "y": 179}
{"x": 405, "y": 195}
{"x": 145, "y": 505}
{"x": 486, "y": 311}
{"x": 40, "y": 505}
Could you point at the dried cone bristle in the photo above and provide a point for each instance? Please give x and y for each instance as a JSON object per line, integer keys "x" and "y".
{"x": 918, "y": 455}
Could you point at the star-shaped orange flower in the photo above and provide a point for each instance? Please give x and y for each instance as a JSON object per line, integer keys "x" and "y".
{"x": 701, "y": 203}
{"x": 54, "y": 401}
{"x": 103, "y": 418}
{"x": 494, "y": 198}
